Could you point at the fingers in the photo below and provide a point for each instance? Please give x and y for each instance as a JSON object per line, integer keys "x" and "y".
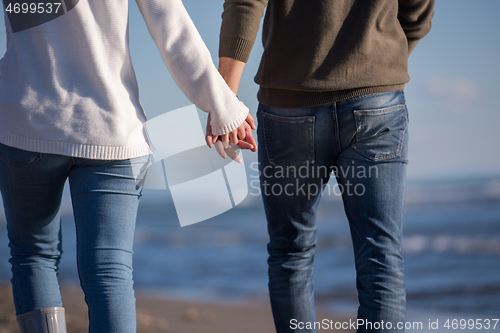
{"x": 242, "y": 137}
{"x": 251, "y": 121}
{"x": 231, "y": 152}
{"x": 220, "y": 149}
{"x": 241, "y": 131}
{"x": 208, "y": 134}
{"x": 210, "y": 138}
{"x": 225, "y": 140}
{"x": 209, "y": 141}
{"x": 249, "y": 139}
{"x": 245, "y": 145}
{"x": 233, "y": 136}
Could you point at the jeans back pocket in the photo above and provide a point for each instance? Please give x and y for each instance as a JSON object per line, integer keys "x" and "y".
{"x": 289, "y": 141}
{"x": 18, "y": 158}
{"x": 380, "y": 132}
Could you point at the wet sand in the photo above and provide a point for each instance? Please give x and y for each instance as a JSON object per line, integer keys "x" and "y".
{"x": 163, "y": 315}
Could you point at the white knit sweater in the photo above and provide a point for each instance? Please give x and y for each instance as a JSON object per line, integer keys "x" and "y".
{"x": 67, "y": 86}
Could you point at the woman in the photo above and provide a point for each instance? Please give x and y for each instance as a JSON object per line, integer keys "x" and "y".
{"x": 69, "y": 109}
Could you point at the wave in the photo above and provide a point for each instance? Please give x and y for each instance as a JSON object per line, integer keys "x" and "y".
{"x": 458, "y": 191}
{"x": 457, "y": 244}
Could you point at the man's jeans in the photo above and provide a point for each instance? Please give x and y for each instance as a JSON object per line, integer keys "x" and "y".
{"x": 363, "y": 143}
{"x": 105, "y": 198}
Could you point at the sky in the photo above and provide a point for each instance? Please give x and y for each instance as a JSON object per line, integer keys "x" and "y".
{"x": 453, "y": 96}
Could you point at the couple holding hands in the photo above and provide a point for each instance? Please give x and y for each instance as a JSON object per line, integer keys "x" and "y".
{"x": 331, "y": 96}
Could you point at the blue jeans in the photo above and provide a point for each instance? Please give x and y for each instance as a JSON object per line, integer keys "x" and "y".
{"x": 362, "y": 142}
{"x": 105, "y": 199}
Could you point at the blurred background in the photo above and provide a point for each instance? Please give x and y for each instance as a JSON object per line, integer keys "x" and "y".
{"x": 452, "y": 213}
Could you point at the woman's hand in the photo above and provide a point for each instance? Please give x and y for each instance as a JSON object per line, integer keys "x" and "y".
{"x": 242, "y": 137}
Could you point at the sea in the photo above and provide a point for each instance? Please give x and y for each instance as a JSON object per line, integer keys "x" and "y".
{"x": 451, "y": 250}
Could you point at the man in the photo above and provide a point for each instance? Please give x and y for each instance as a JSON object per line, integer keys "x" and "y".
{"x": 331, "y": 101}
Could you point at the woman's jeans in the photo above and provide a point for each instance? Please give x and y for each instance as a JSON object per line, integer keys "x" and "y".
{"x": 362, "y": 142}
{"x": 105, "y": 199}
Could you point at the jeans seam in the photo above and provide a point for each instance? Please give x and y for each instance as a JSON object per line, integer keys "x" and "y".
{"x": 380, "y": 111}
{"x": 18, "y": 298}
{"x": 311, "y": 140}
{"x": 336, "y": 129}
{"x": 289, "y": 120}
{"x": 265, "y": 140}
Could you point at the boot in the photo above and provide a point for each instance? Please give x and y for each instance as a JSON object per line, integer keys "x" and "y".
{"x": 46, "y": 320}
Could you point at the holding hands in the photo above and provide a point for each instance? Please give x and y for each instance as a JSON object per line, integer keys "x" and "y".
{"x": 227, "y": 144}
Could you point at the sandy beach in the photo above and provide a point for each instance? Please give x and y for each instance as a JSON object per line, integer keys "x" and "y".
{"x": 155, "y": 315}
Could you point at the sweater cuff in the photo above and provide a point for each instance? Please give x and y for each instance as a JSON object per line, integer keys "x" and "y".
{"x": 218, "y": 130}
{"x": 235, "y": 48}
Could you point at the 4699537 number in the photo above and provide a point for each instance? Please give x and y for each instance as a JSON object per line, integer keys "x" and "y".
{"x": 478, "y": 324}
{"x": 33, "y": 8}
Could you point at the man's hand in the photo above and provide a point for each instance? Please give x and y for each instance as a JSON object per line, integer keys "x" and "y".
{"x": 241, "y": 137}
{"x": 231, "y": 70}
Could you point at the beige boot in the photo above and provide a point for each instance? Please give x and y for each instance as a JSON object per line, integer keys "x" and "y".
{"x": 46, "y": 320}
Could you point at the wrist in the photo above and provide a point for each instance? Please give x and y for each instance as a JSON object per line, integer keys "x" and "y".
{"x": 231, "y": 71}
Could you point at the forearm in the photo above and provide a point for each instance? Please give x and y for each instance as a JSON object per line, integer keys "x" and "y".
{"x": 190, "y": 63}
{"x": 415, "y": 18}
{"x": 240, "y": 24}
{"x": 231, "y": 70}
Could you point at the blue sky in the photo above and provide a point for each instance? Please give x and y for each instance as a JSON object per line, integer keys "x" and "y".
{"x": 453, "y": 96}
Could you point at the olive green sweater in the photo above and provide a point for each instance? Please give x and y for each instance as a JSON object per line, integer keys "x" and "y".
{"x": 318, "y": 52}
